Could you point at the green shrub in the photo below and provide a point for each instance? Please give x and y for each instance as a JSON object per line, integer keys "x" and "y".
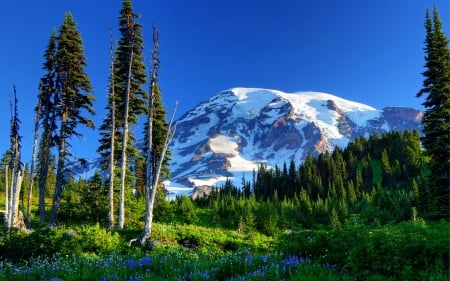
{"x": 20, "y": 246}
{"x": 404, "y": 251}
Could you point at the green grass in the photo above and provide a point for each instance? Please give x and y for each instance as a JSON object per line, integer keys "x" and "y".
{"x": 406, "y": 251}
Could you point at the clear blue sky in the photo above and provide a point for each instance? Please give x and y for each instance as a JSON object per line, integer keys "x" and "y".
{"x": 366, "y": 51}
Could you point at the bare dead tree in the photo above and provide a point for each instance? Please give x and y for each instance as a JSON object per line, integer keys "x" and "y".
{"x": 150, "y": 203}
{"x": 113, "y": 133}
{"x": 6, "y": 220}
{"x": 155, "y": 63}
{"x": 17, "y": 175}
{"x": 33, "y": 158}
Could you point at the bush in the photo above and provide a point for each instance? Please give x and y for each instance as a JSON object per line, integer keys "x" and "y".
{"x": 46, "y": 242}
{"x": 404, "y": 251}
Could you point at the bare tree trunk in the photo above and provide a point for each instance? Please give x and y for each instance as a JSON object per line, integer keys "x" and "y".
{"x": 33, "y": 160}
{"x": 43, "y": 172}
{"x": 149, "y": 163}
{"x": 6, "y": 196}
{"x": 15, "y": 221}
{"x": 16, "y": 180}
{"x": 148, "y": 182}
{"x": 154, "y": 185}
{"x": 59, "y": 173}
{"x": 113, "y": 132}
{"x": 13, "y": 196}
{"x": 121, "y": 220}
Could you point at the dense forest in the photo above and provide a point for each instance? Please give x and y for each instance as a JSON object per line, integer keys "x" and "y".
{"x": 377, "y": 209}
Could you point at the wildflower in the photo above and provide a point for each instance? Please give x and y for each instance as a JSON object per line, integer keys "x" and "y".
{"x": 145, "y": 261}
{"x": 264, "y": 259}
{"x": 292, "y": 261}
{"x": 132, "y": 263}
{"x": 204, "y": 275}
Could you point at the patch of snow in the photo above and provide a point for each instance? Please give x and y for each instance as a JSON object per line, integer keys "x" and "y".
{"x": 223, "y": 144}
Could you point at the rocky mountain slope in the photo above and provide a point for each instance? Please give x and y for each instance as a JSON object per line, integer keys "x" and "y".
{"x": 234, "y": 131}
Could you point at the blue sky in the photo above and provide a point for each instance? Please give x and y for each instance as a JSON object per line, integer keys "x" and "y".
{"x": 365, "y": 51}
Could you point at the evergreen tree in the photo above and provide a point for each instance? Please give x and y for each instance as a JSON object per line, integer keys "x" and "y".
{"x": 72, "y": 92}
{"x": 130, "y": 40}
{"x": 46, "y": 111}
{"x": 159, "y": 133}
{"x": 436, "y": 119}
{"x": 127, "y": 98}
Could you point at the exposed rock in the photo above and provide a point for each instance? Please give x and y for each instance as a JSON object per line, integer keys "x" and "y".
{"x": 201, "y": 191}
{"x": 268, "y": 126}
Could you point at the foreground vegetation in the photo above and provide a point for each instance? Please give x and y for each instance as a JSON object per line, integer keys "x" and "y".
{"x": 360, "y": 213}
{"x": 405, "y": 251}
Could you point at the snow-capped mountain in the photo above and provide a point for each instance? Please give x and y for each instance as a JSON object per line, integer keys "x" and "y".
{"x": 233, "y": 132}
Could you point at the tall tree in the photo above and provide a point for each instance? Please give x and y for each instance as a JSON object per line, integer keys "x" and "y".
{"x": 73, "y": 95}
{"x": 436, "y": 119}
{"x": 130, "y": 42}
{"x": 126, "y": 124}
{"x": 112, "y": 110}
{"x": 46, "y": 109}
{"x": 153, "y": 153}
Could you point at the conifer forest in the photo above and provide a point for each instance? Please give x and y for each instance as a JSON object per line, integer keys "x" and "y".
{"x": 378, "y": 209}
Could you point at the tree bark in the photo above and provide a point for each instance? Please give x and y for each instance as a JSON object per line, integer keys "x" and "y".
{"x": 6, "y": 196}
{"x": 150, "y": 203}
{"x": 149, "y": 179}
{"x": 16, "y": 221}
{"x": 121, "y": 220}
{"x": 113, "y": 132}
{"x": 59, "y": 173}
{"x": 33, "y": 160}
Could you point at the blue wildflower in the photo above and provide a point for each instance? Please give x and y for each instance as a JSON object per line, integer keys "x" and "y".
{"x": 264, "y": 259}
{"x": 204, "y": 275}
{"x": 292, "y": 261}
{"x": 106, "y": 262}
{"x": 132, "y": 263}
{"x": 145, "y": 261}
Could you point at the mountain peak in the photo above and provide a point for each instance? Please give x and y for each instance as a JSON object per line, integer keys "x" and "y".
{"x": 233, "y": 132}
{"x": 229, "y": 135}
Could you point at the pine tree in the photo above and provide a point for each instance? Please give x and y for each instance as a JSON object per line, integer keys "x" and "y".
{"x": 131, "y": 42}
{"x": 72, "y": 92}
{"x": 436, "y": 119}
{"x": 46, "y": 111}
{"x": 159, "y": 131}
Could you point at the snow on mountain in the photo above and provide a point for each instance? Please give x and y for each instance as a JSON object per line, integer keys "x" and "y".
{"x": 232, "y": 133}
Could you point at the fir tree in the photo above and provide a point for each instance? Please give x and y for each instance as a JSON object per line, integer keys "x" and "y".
{"x": 46, "y": 111}
{"x": 436, "y": 119}
{"x": 127, "y": 98}
{"x": 131, "y": 40}
{"x": 72, "y": 92}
